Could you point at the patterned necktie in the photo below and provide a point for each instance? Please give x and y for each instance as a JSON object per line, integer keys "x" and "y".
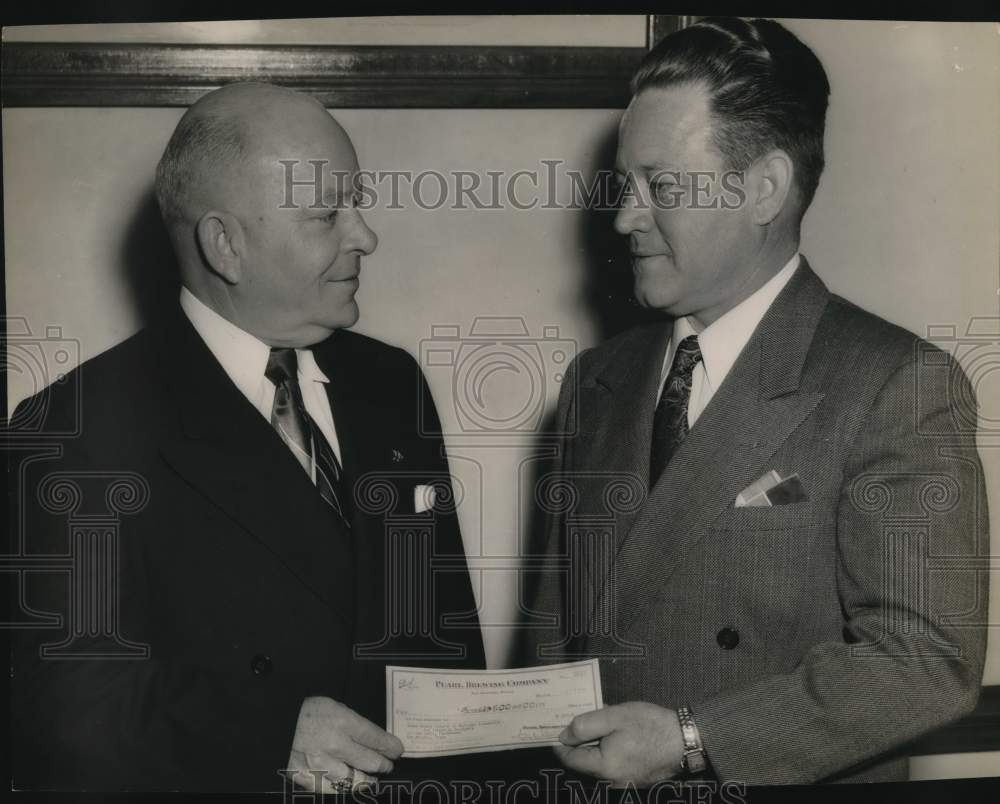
{"x": 670, "y": 422}
{"x": 301, "y": 434}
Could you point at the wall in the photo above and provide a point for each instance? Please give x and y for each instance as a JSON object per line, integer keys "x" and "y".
{"x": 904, "y": 224}
{"x": 582, "y": 30}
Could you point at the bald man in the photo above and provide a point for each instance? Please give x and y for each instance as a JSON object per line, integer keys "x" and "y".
{"x": 254, "y": 621}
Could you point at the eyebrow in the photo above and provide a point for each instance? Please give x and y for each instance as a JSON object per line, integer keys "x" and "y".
{"x": 658, "y": 164}
{"x": 331, "y": 199}
{"x": 327, "y": 202}
{"x": 334, "y": 198}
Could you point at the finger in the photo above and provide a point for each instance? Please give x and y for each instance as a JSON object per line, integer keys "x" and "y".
{"x": 366, "y": 733}
{"x": 304, "y": 780}
{"x": 296, "y": 759}
{"x": 362, "y": 758}
{"x": 343, "y": 752}
{"x": 327, "y": 769}
{"x": 586, "y": 727}
{"x": 587, "y": 759}
{"x": 296, "y": 769}
{"x": 363, "y": 781}
{"x": 300, "y": 774}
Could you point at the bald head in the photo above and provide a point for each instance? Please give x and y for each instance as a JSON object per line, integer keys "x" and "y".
{"x": 220, "y": 146}
{"x": 280, "y": 264}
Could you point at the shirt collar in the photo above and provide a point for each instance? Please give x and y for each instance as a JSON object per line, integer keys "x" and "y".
{"x": 308, "y": 367}
{"x": 722, "y": 341}
{"x": 242, "y": 356}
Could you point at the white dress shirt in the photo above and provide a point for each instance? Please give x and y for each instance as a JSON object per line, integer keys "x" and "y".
{"x": 243, "y": 357}
{"x": 722, "y": 341}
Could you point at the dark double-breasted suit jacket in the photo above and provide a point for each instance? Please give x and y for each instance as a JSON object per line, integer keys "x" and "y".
{"x": 232, "y": 573}
{"x": 811, "y": 639}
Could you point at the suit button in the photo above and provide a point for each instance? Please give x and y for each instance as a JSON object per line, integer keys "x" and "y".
{"x": 261, "y": 665}
{"x": 728, "y": 638}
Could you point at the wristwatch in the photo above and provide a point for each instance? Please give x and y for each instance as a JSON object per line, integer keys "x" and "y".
{"x": 694, "y": 759}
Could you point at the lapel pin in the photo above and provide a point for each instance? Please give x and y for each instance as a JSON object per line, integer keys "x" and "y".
{"x": 397, "y": 456}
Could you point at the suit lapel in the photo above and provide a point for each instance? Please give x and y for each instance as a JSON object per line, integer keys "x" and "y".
{"x": 224, "y": 448}
{"x": 756, "y": 408}
{"x": 368, "y": 425}
{"x": 616, "y": 423}
{"x": 366, "y": 416}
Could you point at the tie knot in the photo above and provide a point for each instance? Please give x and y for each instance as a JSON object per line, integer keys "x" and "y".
{"x": 688, "y": 355}
{"x": 282, "y": 365}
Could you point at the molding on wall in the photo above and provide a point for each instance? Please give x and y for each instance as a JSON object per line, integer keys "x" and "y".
{"x": 660, "y": 25}
{"x": 75, "y": 74}
{"x": 374, "y": 76}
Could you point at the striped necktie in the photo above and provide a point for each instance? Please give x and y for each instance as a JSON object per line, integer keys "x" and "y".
{"x": 301, "y": 433}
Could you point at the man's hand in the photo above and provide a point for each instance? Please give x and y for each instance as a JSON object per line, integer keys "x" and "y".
{"x": 332, "y": 738}
{"x": 639, "y": 743}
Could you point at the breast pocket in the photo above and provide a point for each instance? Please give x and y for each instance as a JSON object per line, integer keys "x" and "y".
{"x": 777, "y": 517}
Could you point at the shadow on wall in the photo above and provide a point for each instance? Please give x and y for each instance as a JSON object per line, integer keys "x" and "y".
{"x": 608, "y": 291}
{"x": 150, "y": 268}
{"x": 609, "y": 301}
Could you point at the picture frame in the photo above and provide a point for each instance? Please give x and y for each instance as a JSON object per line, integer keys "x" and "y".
{"x": 340, "y": 76}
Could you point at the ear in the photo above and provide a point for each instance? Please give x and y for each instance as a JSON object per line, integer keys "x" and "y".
{"x": 773, "y": 174}
{"x": 220, "y": 236}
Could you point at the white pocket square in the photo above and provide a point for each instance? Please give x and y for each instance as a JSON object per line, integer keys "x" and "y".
{"x": 423, "y": 498}
{"x": 770, "y": 490}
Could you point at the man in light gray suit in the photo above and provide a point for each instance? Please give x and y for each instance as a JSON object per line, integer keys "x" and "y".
{"x": 763, "y": 607}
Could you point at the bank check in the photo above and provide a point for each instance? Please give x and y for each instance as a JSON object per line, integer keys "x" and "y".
{"x": 438, "y": 713}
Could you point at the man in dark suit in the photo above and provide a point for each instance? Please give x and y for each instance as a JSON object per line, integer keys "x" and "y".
{"x": 276, "y": 496}
{"x": 781, "y": 469}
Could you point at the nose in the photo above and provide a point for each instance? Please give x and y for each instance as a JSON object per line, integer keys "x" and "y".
{"x": 632, "y": 216}
{"x": 363, "y": 238}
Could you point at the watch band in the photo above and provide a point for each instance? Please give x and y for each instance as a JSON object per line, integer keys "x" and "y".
{"x": 694, "y": 759}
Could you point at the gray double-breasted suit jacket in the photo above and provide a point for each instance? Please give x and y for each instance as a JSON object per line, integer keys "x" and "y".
{"x": 812, "y": 640}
